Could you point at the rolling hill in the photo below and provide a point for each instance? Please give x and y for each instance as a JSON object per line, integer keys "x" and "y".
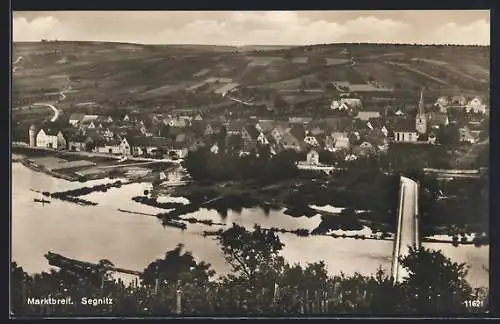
{"x": 162, "y": 74}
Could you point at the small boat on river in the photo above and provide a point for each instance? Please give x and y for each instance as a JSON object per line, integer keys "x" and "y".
{"x": 176, "y": 224}
{"x": 43, "y": 201}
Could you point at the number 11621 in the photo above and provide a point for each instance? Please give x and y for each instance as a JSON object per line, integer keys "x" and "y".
{"x": 473, "y": 303}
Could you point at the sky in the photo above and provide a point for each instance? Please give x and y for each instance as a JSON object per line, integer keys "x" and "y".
{"x": 465, "y": 27}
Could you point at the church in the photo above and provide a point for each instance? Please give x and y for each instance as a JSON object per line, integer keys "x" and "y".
{"x": 417, "y": 130}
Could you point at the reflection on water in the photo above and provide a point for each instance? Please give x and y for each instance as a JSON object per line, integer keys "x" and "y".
{"x": 131, "y": 241}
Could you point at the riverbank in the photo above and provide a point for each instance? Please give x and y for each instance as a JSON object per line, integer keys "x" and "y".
{"x": 84, "y": 166}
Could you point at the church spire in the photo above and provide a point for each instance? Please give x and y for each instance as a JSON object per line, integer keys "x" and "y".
{"x": 421, "y": 108}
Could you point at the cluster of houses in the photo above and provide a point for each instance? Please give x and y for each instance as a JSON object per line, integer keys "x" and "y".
{"x": 155, "y": 135}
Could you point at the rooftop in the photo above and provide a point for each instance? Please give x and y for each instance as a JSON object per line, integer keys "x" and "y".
{"x": 404, "y": 125}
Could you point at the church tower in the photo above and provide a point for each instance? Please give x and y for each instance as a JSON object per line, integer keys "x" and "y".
{"x": 421, "y": 118}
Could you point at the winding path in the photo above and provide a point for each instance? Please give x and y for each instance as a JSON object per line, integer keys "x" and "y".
{"x": 54, "y": 108}
{"x": 56, "y": 111}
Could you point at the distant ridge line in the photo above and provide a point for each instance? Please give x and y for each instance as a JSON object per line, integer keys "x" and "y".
{"x": 243, "y": 46}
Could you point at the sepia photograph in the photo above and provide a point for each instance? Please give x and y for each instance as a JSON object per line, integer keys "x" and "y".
{"x": 250, "y": 163}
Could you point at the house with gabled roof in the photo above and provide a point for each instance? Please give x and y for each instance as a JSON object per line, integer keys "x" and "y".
{"x": 341, "y": 140}
{"x": 51, "y": 138}
{"x": 235, "y": 127}
{"x": 109, "y": 147}
{"x": 142, "y": 145}
{"x": 262, "y": 139}
{"x": 279, "y": 130}
{"x": 177, "y": 122}
{"x": 352, "y": 103}
{"x": 329, "y": 143}
{"x": 290, "y": 142}
{"x": 437, "y": 119}
{"x": 476, "y": 105}
{"x": 75, "y": 118}
{"x": 460, "y": 100}
{"x": 442, "y": 103}
{"x": 339, "y": 105}
{"x": 377, "y": 124}
{"x": 312, "y": 157}
{"x": 249, "y": 133}
{"x": 404, "y": 131}
{"x": 311, "y": 140}
{"x": 265, "y": 125}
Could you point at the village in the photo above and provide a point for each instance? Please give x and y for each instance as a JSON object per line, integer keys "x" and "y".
{"x": 349, "y": 131}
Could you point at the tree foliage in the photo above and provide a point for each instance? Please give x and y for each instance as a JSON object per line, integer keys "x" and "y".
{"x": 261, "y": 282}
{"x": 435, "y": 283}
{"x": 260, "y": 165}
{"x": 175, "y": 267}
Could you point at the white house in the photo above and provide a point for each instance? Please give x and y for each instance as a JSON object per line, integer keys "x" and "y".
{"x": 442, "y": 103}
{"x": 313, "y": 157}
{"x": 341, "y": 140}
{"x": 278, "y": 132}
{"x": 337, "y": 105}
{"x": 125, "y": 147}
{"x": 112, "y": 147}
{"x": 51, "y": 138}
{"x": 88, "y": 125}
{"x": 214, "y": 149}
{"x": 405, "y": 136}
{"x": 262, "y": 139}
{"x": 405, "y": 132}
{"x": 476, "y": 106}
{"x": 346, "y": 104}
{"x": 311, "y": 140}
{"x": 351, "y": 157}
{"x": 459, "y": 100}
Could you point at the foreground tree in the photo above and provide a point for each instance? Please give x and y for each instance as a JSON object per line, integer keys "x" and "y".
{"x": 177, "y": 267}
{"x": 435, "y": 284}
{"x": 256, "y": 264}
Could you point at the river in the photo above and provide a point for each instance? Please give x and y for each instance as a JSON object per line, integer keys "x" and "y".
{"x": 132, "y": 241}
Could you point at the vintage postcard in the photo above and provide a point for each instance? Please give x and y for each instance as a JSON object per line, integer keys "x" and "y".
{"x": 293, "y": 163}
